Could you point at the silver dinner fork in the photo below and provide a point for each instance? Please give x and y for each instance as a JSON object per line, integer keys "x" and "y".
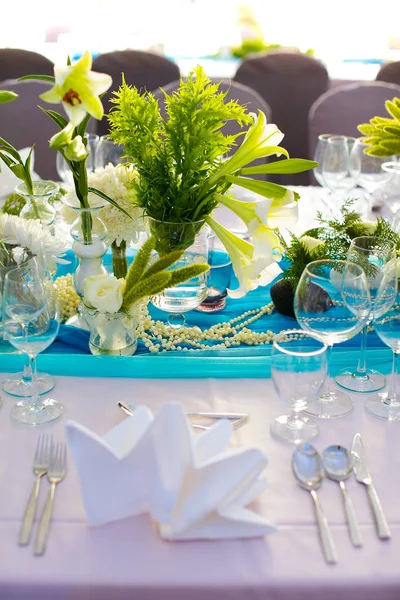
{"x": 55, "y": 474}
{"x": 41, "y": 463}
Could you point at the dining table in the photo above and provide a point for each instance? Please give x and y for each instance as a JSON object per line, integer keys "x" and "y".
{"x": 127, "y": 559}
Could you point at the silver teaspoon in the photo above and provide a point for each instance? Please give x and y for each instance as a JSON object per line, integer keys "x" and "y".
{"x": 338, "y": 466}
{"x": 308, "y": 470}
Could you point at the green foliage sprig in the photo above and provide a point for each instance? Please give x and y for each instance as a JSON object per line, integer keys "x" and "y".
{"x": 144, "y": 280}
{"x": 335, "y": 237}
{"x": 383, "y": 134}
{"x": 174, "y": 158}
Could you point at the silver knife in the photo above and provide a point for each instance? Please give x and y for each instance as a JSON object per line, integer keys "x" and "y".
{"x": 239, "y": 419}
{"x": 363, "y": 475}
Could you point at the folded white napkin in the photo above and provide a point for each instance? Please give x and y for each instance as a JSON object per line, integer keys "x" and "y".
{"x": 192, "y": 484}
{"x": 8, "y": 181}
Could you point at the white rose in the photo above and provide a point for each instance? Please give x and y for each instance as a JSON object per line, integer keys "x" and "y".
{"x": 103, "y": 292}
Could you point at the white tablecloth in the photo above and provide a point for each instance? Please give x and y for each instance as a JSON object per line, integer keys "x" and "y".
{"x": 128, "y": 560}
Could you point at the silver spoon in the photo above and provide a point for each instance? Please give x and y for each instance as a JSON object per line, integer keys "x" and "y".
{"x": 339, "y": 466}
{"x": 308, "y": 470}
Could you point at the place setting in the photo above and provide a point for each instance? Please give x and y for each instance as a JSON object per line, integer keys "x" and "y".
{"x": 149, "y": 344}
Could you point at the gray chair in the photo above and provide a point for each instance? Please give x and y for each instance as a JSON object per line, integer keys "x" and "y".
{"x": 289, "y": 82}
{"x": 390, "y": 73}
{"x": 144, "y": 70}
{"x": 23, "y": 124}
{"x": 235, "y": 91}
{"x": 15, "y": 63}
{"x": 340, "y": 110}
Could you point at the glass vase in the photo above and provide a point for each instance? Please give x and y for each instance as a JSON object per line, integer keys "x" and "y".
{"x": 39, "y": 204}
{"x": 192, "y": 239}
{"x": 111, "y": 333}
{"x": 89, "y": 246}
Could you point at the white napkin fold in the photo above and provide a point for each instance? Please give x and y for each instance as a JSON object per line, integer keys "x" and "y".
{"x": 193, "y": 485}
{"x": 8, "y": 181}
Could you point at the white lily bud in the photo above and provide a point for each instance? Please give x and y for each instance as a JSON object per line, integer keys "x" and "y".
{"x": 63, "y": 137}
{"x": 76, "y": 150}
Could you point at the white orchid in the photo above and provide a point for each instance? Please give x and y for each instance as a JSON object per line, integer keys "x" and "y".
{"x": 30, "y": 235}
{"x": 78, "y": 89}
{"x": 254, "y": 265}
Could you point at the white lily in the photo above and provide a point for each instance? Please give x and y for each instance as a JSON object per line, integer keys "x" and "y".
{"x": 78, "y": 89}
{"x": 310, "y": 243}
{"x": 261, "y": 140}
{"x": 252, "y": 267}
{"x": 255, "y": 216}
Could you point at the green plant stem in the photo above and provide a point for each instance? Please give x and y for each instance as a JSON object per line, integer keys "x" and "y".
{"x": 79, "y": 173}
{"x": 119, "y": 260}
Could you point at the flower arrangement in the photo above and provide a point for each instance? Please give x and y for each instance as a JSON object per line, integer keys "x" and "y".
{"x": 330, "y": 240}
{"x": 106, "y": 295}
{"x": 183, "y": 172}
{"x": 77, "y": 88}
{"x": 122, "y": 227}
{"x": 21, "y": 238}
{"x": 383, "y": 134}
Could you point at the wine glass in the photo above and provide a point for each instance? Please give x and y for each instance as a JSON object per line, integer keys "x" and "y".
{"x": 108, "y": 152}
{"x": 372, "y": 254}
{"x": 368, "y": 171}
{"x": 298, "y": 369}
{"x": 63, "y": 169}
{"x": 335, "y": 165}
{"x": 20, "y": 384}
{"x": 386, "y": 405}
{"x": 320, "y": 309}
{"x": 391, "y": 193}
{"x": 31, "y": 323}
{"x": 320, "y": 149}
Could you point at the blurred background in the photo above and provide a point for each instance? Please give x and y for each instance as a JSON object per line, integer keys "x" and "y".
{"x": 349, "y": 37}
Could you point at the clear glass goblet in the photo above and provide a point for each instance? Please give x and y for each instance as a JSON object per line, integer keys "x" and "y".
{"x": 31, "y": 323}
{"x": 321, "y": 310}
{"x": 372, "y": 254}
{"x": 368, "y": 171}
{"x": 335, "y": 167}
{"x": 299, "y": 366}
{"x": 386, "y": 405}
{"x": 108, "y": 153}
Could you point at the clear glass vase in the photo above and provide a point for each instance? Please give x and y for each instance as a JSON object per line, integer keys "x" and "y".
{"x": 111, "y": 333}
{"x": 39, "y": 204}
{"x": 89, "y": 246}
{"x": 192, "y": 238}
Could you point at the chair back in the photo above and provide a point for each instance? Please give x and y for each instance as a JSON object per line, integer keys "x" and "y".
{"x": 340, "y": 110}
{"x": 23, "y": 124}
{"x": 390, "y": 73}
{"x": 144, "y": 70}
{"x": 289, "y": 82}
{"x": 15, "y": 63}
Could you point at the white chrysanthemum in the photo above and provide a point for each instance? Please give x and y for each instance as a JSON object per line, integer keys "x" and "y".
{"x": 115, "y": 182}
{"x": 30, "y": 235}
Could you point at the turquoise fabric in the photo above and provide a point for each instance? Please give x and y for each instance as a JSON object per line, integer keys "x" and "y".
{"x": 70, "y": 354}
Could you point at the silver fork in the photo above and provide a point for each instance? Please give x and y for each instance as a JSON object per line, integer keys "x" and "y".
{"x": 55, "y": 474}
{"x": 41, "y": 463}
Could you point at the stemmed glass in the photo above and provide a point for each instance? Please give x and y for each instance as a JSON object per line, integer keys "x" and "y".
{"x": 335, "y": 165}
{"x": 31, "y": 323}
{"x": 368, "y": 171}
{"x": 298, "y": 369}
{"x": 108, "y": 152}
{"x": 386, "y": 405}
{"x": 64, "y": 171}
{"x": 321, "y": 310}
{"x": 372, "y": 254}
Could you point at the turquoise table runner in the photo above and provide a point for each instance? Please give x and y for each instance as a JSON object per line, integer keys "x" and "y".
{"x": 70, "y": 355}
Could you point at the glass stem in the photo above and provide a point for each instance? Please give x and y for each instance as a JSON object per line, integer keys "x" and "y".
{"x": 392, "y": 391}
{"x": 361, "y": 370}
{"x": 27, "y": 374}
{"x": 35, "y": 401}
{"x": 327, "y": 387}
